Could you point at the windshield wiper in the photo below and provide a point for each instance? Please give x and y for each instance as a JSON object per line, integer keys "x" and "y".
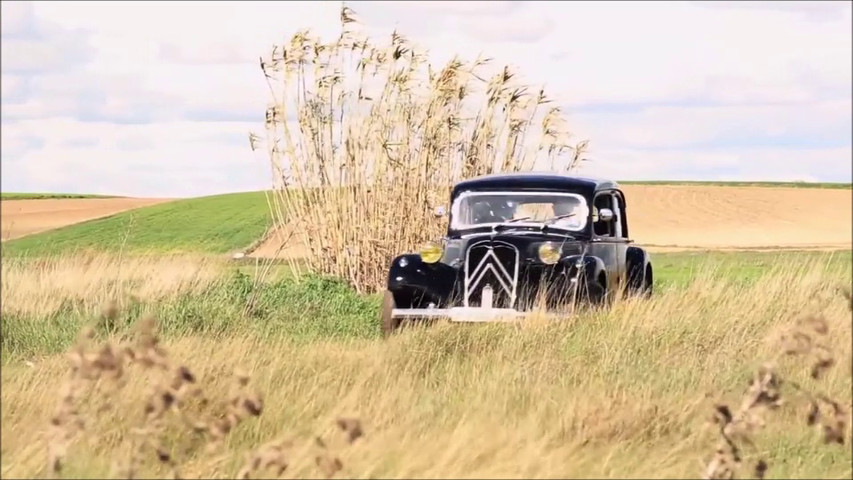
{"x": 507, "y": 222}
{"x": 547, "y": 223}
{"x": 558, "y": 217}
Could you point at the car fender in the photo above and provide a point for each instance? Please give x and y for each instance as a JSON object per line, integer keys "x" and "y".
{"x": 636, "y": 261}
{"x": 413, "y": 282}
{"x": 589, "y": 265}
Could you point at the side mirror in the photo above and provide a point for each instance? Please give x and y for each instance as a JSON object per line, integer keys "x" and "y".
{"x": 440, "y": 211}
{"x": 605, "y": 215}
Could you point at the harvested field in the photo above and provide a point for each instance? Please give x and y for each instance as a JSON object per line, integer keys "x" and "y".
{"x": 26, "y": 217}
{"x": 740, "y": 217}
{"x": 691, "y": 217}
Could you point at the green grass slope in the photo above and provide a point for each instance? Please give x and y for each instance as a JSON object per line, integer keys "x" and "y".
{"x": 40, "y": 196}
{"x": 215, "y": 224}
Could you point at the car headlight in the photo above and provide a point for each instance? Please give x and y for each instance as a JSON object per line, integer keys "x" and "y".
{"x": 549, "y": 253}
{"x": 431, "y": 252}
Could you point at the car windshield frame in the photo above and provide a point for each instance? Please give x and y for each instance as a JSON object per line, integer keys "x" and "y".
{"x": 456, "y": 213}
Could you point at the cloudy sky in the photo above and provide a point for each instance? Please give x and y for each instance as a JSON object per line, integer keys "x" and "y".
{"x": 157, "y": 98}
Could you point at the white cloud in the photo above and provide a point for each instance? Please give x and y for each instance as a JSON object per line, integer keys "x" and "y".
{"x": 679, "y": 126}
{"x": 11, "y": 88}
{"x": 163, "y": 159}
{"x": 748, "y": 164}
{"x": 704, "y": 83}
{"x": 33, "y": 44}
{"x": 811, "y": 9}
{"x": 517, "y": 25}
{"x": 15, "y": 18}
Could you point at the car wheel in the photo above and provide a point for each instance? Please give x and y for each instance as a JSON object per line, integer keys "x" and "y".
{"x": 591, "y": 293}
{"x": 647, "y": 288}
{"x": 389, "y": 324}
{"x": 640, "y": 283}
{"x": 596, "y": 294}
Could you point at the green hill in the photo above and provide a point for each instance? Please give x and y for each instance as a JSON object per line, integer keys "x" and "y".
{"x": 215, "y": 224}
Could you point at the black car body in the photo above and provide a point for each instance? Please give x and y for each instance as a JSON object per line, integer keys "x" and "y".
{"x": 517, "y": 241}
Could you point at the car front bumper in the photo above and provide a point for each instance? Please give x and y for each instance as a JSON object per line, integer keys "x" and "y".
{"x": 470, "y": 314}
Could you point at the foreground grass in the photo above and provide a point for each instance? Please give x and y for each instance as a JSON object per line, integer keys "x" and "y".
{"x": 216, "y": 224}
{"x": 603, "y": 395}
{"x": 38, "y": 196}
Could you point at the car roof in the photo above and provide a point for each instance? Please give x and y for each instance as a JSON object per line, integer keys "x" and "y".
{"x": 534, "y": 181}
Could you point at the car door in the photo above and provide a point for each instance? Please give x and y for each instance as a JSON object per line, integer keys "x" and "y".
{"x": 603, "y": 244}
{"x": 620, "y": 238}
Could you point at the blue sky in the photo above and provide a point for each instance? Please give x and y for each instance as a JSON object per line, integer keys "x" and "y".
{"x": 157, "y": 98}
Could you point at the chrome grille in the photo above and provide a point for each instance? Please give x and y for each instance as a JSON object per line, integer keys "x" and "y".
{"x": 491, "y": 263}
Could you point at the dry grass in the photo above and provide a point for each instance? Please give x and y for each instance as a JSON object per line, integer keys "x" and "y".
{"x": 43, "y": 286}
{"x": 605, "y": 394}
{"x": 382, "y": 135}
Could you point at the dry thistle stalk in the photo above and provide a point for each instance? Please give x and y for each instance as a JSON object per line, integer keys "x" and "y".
{"x": 351, "y": 427}
{"x": 274, "y": 458}
{"x": 175, "y": 400}
{"x": 269, "y": 457}
{"x": 736, "y": 427}
{"x": 86, "y": 368}
{"x": 328, "y": 463}
{"x": 806, "y": 340}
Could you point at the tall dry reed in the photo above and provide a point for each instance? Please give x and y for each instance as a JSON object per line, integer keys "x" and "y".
{"x": 366, "y": 138}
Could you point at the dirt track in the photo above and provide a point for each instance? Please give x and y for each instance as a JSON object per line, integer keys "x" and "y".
{"x": 25, "y": 217}
{"x": 676, "y": 217}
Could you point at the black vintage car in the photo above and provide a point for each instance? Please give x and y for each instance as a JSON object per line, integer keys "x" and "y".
{"x": 517, "y": 242}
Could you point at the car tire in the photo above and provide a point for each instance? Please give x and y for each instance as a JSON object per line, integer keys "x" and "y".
{"x": 389, "y": 324}
{"x": 595, "y": 293}
{"x": 639, "y": 284}
{"x": 590, "y": 293}
{"x": 647, "y": 289}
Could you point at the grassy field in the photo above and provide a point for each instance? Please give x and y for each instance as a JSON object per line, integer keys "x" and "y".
{"x": 626, "y": 392}
{"x": 38, "y": 196}
{"x": 449, "y": 401}
{"x": 215, "y": 224}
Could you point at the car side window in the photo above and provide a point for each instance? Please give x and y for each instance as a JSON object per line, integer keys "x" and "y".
{"x": 602, "y": 228}
{"x": 619, "y": 210}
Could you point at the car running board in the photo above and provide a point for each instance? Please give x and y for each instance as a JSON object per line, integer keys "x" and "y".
{"x": 472, "y": 314}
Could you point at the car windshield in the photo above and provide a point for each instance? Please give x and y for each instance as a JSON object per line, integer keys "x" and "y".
{"x": 475, "y": 209}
